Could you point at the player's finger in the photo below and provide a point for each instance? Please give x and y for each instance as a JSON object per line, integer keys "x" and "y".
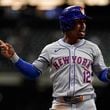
{"x": 3, "y": 46}
{"x": 1, "y": 42}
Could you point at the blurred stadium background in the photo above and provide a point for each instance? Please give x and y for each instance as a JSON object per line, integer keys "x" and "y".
{"x": 31, "y": 24}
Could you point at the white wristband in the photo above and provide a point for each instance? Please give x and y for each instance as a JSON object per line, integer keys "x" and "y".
{"x": 14, "y": 58}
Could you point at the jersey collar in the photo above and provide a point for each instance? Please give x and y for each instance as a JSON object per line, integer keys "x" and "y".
{"x": 61, "y": 42}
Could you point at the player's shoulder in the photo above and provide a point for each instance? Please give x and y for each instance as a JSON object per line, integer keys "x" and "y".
{"x": 90, "y": 43}
{"x": 52, "y": 45}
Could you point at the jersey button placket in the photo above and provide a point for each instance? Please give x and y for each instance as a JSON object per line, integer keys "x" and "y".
{"x": 72, "y": 74}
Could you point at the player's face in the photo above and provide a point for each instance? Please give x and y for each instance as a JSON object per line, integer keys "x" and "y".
{"x": 76, "y": 33}
{"x": 79, "y": 29}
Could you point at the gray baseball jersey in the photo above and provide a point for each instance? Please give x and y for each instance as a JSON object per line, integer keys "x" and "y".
{"x": 71, "y": 66}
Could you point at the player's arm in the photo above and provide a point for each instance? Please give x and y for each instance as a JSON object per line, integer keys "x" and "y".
{"x": 104, "y": 75}
{"x": 99, "y": 67}
{"x": 26, "y": 68}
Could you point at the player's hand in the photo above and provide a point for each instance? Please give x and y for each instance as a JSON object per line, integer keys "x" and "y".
{"x": 7, "y": 49}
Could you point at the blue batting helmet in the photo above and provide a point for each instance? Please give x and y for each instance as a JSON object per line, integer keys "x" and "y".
{"x": 69, "y": 15}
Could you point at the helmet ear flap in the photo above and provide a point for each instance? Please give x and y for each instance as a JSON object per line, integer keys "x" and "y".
{"x": 66, "y": 26}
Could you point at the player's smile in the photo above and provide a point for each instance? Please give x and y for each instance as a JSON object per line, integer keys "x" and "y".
{"x": 81, "y": 33}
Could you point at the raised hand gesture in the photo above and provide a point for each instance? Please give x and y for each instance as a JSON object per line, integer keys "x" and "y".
{"x": 7, "y": 49}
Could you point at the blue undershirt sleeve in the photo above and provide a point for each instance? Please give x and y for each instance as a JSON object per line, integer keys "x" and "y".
{"x": 103, "y": 75}
{"x": 27, "y": 69}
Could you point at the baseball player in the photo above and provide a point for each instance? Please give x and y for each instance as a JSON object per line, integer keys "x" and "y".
{"x": 72, "y": 60}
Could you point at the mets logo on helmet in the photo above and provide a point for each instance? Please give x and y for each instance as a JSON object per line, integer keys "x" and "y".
{"x": 82, "y": 10}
